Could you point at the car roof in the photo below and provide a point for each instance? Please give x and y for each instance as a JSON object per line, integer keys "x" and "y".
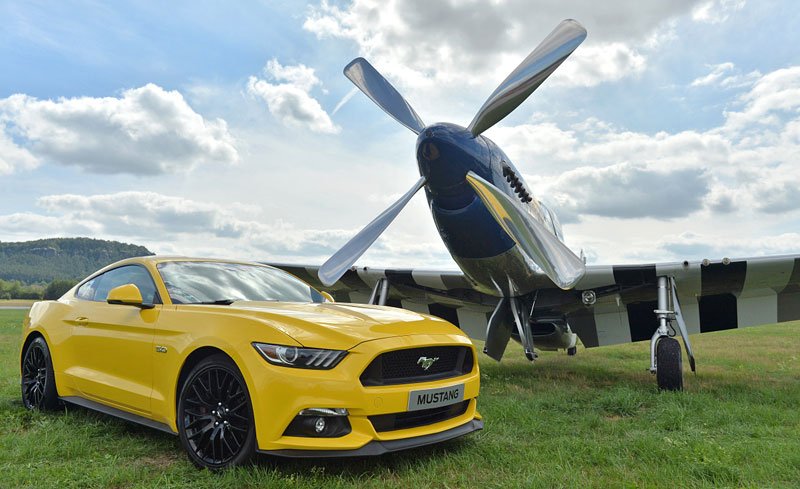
{"x": 155, "y": 259}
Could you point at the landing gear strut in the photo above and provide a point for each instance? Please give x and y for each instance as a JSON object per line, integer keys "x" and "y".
{"x": 380, "y": 292}
{"x": 522, "y": 320}
{"x": 665, "y": 351}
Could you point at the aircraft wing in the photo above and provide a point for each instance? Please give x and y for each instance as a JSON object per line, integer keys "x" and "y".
{"x": 714, "y": 296}
{"x": 609, "y": 305}
{"x": 446, "y": 294}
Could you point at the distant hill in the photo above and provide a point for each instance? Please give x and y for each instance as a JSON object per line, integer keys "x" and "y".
{"x": 44, "y": 260}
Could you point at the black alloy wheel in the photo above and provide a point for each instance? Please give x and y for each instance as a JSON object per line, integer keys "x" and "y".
{"x": 38, "y": 382}
{"x": 215, "y": 416}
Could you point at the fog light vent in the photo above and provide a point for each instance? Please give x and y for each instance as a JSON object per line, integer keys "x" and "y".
{"x": 319, "y": 423}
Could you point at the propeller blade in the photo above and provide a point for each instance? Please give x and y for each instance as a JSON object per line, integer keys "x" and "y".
{"x": 556, "y": 260}
{"x": 527, "y": 77}
{"x": 333, "y": 269}
{"x": 376, "y": 87}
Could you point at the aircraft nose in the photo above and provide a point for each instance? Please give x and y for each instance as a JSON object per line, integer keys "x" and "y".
{"x": 429, "y": 151}
{"x": 445, "y": 153}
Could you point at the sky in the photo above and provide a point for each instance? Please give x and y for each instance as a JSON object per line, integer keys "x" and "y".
{"x": 228, "y": 130}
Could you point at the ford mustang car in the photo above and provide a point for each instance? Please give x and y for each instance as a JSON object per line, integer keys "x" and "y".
{"x": 237, "y": 358}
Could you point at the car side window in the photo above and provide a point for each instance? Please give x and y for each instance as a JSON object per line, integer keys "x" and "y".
{"x": 86, "y": 291}
{"x": 130, "y": 274}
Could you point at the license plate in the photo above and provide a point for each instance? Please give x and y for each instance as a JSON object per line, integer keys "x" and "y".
{"x": 431, "y": 398}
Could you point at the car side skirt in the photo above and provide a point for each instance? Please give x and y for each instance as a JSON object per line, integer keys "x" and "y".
{"x": 377, "y": 447}
{"x": 102, "y": 408}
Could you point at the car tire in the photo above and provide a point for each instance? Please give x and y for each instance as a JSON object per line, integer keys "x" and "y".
{"x": 215, "y": 415}
{"x": 37, "y": 380}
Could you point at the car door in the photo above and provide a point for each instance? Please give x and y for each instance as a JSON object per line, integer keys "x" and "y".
{"x": 112, "y": 344}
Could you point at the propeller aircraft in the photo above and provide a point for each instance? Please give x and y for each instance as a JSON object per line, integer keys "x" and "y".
{"x": 518, "y": 279}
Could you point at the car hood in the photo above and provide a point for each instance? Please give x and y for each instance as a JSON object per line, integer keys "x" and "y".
{"x": 342, "y": 326}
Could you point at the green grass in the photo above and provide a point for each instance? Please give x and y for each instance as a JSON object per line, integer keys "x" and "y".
{"x": 594, "y": 420}
{"x": 16, "y": 302}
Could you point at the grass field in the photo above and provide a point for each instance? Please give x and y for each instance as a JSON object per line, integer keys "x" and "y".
{"x": 593, "y": 420}
{"x": 16, "y": 303}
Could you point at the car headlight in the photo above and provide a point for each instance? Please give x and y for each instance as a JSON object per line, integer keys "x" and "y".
{"x": 292, "y": 356}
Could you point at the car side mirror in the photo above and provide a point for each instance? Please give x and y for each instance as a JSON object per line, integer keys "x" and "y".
{"x": 327, "y": 296}
{"x": 127, "y": 295}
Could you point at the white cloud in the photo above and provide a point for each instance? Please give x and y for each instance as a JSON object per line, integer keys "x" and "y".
{"x": 778, "y": 192}
{"x": 29, "y": 225}
{"x": 747, "y": 164}
{"x": 289, "y": 99}
{"x": 628, "y": 191}
{"x": 147, "y": 130}
{"x": 717, "y": 72}
{"x": 597, "y": 63}
{"x": 722, "y": 75}
{"x": 177, "y": 225}
{"x": 12, "y": 156}
{"x": 594, "y": 143}
{"x": 425, "y": 45}
{"x": 147, "y": 213}
{"x": 701, "y": 245}
{"x": 189, "y": 226}
{"x": 716, "y": 11}
{"x": 773, "y": 98}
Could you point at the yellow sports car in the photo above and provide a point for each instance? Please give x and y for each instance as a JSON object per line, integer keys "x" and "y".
{"x": 238, "y": 358}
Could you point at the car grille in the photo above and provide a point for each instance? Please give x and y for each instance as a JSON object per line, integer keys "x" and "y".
{"x": 412, "y": 419}
{"x": 403, "y": 366}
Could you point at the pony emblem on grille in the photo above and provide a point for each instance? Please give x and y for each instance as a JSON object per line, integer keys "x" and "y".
{"x": 426, "y": 362}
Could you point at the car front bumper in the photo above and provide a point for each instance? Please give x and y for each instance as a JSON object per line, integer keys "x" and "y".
{"x": 280, "y": 393}
{"x": 377, "y": 447}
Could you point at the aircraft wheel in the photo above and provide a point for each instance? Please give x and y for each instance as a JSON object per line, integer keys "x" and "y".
{"x": 215, "y": 416}
{"x": 38, "y": 380}
{"x": 572, "y": 350}
{"x": 669, "y": 365}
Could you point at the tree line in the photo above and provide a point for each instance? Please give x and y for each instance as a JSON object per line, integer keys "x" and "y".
{"x": 14, "y": 289}
{"x": 37, "y": 264}
{"x": 29, "y": 268}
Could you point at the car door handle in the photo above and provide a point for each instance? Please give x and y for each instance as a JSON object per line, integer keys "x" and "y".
{"x": 81, "y": 321}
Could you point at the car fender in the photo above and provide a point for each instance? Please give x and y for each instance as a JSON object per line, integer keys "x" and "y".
{"x": 241, "y": 352}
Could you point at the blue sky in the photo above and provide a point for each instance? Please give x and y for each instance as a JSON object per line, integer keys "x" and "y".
{"x": 201, "y": 128}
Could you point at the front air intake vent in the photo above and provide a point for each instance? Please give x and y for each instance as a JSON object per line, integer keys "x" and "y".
{"x": 413, "y": 419}
{"x": 408, "y": 366}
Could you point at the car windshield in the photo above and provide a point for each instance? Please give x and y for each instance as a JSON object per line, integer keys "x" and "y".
{"x": 190, "y": 282}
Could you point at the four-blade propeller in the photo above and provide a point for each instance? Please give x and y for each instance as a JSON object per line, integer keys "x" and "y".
{"x": 556, "y": 260}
